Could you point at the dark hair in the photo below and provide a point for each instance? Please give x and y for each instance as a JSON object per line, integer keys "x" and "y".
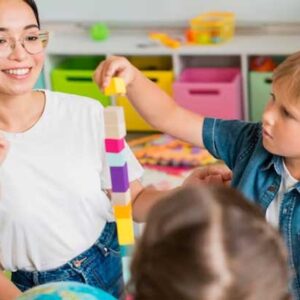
{"x": 208, "y": 243}
{"x": 33, "y": 6}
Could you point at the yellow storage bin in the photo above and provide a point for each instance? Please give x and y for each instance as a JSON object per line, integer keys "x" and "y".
{"x": 74, "y": 75}
{"x": 159, "y": 70}
{"x": 134, "y": 122}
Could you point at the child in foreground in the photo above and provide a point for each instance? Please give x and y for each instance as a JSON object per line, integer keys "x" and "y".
{"x": 264, "y": 157}
{"x": 209, "y": 243}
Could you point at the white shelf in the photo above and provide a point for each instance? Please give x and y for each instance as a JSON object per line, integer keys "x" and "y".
{"x": 236, "y": 52}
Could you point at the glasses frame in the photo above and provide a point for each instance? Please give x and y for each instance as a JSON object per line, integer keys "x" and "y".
{"x": 43, "y": 37}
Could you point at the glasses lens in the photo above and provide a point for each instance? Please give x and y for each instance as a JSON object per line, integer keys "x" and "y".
{"x": 35, "y": 43}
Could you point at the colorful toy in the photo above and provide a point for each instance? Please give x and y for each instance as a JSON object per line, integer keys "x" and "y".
{"x": 211, "y": 28}
{"x": 99, "y": 32}
{"x": 165, "y": 39}
{"x": 115, "y": 132}
{"x": 115, "y": 87}
{"x": 65, "y": 291}
{"x": 262, "y": 64}
{"x": 164, "y": 150}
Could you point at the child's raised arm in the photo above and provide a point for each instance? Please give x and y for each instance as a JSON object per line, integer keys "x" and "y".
{"x": 154, "y": 105}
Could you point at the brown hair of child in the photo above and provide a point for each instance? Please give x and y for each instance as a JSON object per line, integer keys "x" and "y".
{"x": 208, "y": 243}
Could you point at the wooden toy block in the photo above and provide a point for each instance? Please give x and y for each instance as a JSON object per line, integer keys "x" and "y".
{"x": 119, "y": 178}
{"x": 126, "y": 261}
{"x": 114, "y": 115}
{"x": 125, "y": 231}
{"x": 123, "y": 211}
{"x": 122, "y": 198}
{"x": 117, "y": 159}
{"x": 115, "y": 87}
{"x": 114, "y": 145}
{"x": 126, "y": 250}
{"x": 115, "y": 131}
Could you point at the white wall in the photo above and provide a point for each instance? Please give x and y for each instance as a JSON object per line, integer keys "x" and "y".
{"x": 169, "y": 11}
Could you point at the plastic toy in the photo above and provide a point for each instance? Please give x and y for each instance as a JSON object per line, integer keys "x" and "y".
{"x": 165, "y": 39}
{"x": 115, "y": 132}
{"x": 211, "y": 28}
{"x": 262, "y": 64}
{"x": 99, "y": 32}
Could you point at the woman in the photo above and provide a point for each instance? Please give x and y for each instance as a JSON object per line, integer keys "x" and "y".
{"x": 55, "y": 213}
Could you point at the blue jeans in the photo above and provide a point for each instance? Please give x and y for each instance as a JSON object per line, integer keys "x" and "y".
{"x": 98, "y": 266}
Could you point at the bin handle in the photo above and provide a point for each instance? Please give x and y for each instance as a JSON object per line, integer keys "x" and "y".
{"x": 203, "y": 92}
{"x": 153, "y": 79}
{"x": 268, "y": 80}
{"x": 75, "y": 78}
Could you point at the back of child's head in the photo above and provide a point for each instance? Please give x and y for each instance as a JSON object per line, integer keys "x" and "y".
{"x": 208, "y": 243}
{"x": 289, "y": 72}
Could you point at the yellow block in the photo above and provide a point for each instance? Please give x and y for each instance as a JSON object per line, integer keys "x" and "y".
{"x": 123, "y": 211}
{"x": 125, "y": 231}
{"x": 115, "y": 87}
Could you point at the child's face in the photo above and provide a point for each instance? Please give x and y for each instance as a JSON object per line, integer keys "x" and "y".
{"x": 19, "y": 69}
{"x": 281, "y": 123}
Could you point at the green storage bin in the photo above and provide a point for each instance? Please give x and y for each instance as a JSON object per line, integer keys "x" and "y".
{"x": 260, "y": 88}
{"x": 74, "y": 75}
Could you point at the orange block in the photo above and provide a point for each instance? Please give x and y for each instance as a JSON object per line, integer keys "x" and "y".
{"x": 123, "y": 211}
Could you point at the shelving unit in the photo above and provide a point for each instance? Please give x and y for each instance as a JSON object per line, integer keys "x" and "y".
{"x": 235, "y": 53}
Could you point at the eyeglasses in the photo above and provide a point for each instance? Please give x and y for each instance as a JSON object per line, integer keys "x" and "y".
{"x": 33, "y": 43}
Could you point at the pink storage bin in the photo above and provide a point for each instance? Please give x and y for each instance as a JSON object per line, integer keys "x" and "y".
{"x": 211, "y": 92}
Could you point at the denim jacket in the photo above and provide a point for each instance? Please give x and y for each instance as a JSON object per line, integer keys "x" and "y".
{"x": 257, "y": 174}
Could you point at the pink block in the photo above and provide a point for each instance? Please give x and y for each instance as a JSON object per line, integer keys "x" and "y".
{"x": 114, "y": 145}
{"x": 211, "y": 92}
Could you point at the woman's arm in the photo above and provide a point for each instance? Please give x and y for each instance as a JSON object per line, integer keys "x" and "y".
{"x": 8, "y": 291}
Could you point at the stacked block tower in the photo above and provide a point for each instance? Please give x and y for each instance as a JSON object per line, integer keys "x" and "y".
{"x": 115, "y": 132}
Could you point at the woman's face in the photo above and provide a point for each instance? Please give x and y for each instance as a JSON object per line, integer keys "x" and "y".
{"x": 19, "y": 70}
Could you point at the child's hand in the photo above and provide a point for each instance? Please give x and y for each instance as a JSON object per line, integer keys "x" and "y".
{"x": 215, "y": 174}
{"x": 114, "y": 66}
{"x": 4, "y": 145}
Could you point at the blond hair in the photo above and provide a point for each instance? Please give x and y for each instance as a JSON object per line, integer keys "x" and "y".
{"x": 289, "y": 70}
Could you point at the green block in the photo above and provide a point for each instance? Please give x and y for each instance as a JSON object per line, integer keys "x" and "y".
{"x": 99, "y": 32}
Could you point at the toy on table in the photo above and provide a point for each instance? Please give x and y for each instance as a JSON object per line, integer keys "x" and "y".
{"x": 115, "y": 132}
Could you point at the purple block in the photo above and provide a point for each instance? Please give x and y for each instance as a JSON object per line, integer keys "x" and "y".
{"x": 119, "y": 179}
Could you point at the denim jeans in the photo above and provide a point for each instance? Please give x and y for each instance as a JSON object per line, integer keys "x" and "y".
{"x": 99, "y": 266}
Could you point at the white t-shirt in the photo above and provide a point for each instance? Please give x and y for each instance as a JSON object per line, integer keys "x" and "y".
{"x": 52, "y": 207}
{"x": 287, "y": 182}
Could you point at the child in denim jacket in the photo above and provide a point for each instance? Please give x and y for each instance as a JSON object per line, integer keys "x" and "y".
{"x": 264, "y": 157}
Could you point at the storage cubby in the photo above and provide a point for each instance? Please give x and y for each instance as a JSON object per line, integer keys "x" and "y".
{"x": 169, "y": 64}
{"x": 73, "y": 74}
